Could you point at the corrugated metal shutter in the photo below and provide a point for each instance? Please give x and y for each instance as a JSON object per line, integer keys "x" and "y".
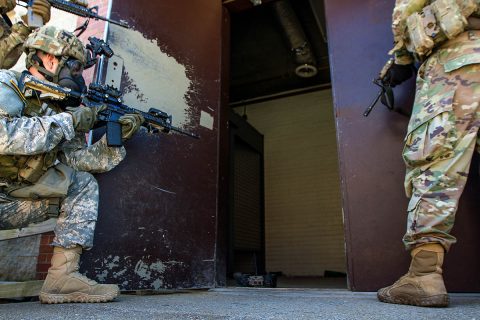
{"x": 247, "y": 218}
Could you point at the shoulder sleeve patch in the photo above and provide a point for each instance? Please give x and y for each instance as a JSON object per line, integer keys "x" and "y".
{"x": 10, "y": 102}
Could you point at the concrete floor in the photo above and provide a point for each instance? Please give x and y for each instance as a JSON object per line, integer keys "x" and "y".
{"x": 246, "y": 303}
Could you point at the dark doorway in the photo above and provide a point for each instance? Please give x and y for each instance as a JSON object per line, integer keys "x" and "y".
{"x": 280, "y": 88}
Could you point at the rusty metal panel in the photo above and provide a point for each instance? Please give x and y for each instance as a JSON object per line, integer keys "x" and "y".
{"x": 370, "y": 149}
{"x": 158, "y": 208}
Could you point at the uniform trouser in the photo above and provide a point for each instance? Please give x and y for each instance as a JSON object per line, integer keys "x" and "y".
{"x": 443, "y": 134}
{"x": 78, "y": 207}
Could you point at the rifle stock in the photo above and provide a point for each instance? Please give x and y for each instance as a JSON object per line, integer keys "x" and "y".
{"x": 73, "y": 9}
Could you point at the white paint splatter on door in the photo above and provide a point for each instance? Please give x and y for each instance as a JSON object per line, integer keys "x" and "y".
{"x": 153, "y": 78}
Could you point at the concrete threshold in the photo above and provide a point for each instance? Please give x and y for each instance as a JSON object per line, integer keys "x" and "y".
{"x": 248, "y": 304}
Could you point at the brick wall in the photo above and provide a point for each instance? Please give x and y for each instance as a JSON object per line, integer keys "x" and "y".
{"x": 303, "y": 215}
{"x": 45, "y": 253}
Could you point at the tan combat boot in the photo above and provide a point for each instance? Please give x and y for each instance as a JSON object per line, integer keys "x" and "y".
{"x": 423, "y": 284}
{"x": 64, "y": 284}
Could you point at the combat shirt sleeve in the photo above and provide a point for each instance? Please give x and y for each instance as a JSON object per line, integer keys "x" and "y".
{"x": 403, "y": 8}
{"x": 35, "y": 135}
{"x": 98, "y": 157}
{"x": 6, "y": 6}
{"x": 11, "y": 46}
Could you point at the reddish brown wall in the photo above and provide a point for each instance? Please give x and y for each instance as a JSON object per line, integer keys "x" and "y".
{"x": 45, "y": 253}
{"x": 370, "y": 157}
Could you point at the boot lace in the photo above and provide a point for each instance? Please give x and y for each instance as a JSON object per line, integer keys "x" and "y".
{"x": 80, "y": 276}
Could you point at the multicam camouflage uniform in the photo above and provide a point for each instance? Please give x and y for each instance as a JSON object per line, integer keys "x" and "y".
{"x": 443, "y": 130}
{"x": 22, "y": 202}
{"x": 11, "y": 38}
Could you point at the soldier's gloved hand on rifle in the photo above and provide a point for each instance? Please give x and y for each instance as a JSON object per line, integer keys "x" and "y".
{"x": 130, "y": 122}
{"x": 398, "y": 73}
{"x": 83, "y": 3}
{"x": 21, "y": 29}
{"x": 42, "y": 8}
{"x": 84, "y": 118}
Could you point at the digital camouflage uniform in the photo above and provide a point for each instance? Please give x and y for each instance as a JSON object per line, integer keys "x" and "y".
{"x": 11, "y": 38}
{"x": 442, "y": 132}
{"x": 22, "y": 203}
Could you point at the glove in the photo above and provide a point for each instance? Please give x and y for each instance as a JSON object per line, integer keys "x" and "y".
{"x": 130, "y": 122}
{"x": 84, "y": 117}
{"x": 83, "y": 3}
{"x": 398, "y": 73}
{"x": 42, "y": 8}
{"x": 20, "y": 29}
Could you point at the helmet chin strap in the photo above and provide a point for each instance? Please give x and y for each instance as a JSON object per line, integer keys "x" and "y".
{"x": 34, "y": 60}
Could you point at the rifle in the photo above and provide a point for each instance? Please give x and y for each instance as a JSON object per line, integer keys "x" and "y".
{"x": 98, "y": 95}
{"x": 97, "y": 47}
{"x": 36, "y": 21}
{"x": 386, "y": 92}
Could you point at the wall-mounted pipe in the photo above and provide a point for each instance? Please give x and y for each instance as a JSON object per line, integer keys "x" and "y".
{"x": 297, "y": 39}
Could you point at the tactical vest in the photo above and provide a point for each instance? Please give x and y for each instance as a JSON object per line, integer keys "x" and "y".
{"x": 436, "y": 23}
{"x": 18, "y": 169}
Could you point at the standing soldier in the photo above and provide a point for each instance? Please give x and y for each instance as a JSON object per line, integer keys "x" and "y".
{"x": 442, "y": 133}
{"x": 45, "y": 162}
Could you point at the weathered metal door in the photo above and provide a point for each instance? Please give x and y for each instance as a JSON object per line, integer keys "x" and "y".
{"x": 371, "y": 166}
{"x": 158, "y": 208}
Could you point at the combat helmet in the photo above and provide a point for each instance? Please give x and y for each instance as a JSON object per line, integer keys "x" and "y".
{"x": 58, "y": 42}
